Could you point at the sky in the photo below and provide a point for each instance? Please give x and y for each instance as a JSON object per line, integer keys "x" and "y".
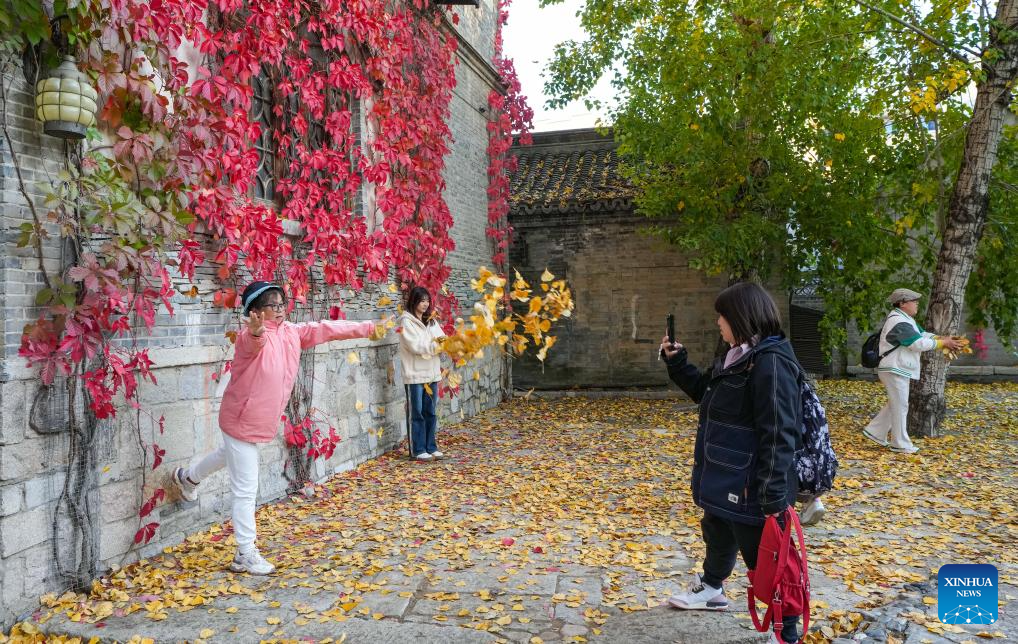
{"x": 530, "y": 39}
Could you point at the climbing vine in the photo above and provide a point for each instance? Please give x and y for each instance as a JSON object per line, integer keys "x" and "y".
{"x": 356, "y": 137}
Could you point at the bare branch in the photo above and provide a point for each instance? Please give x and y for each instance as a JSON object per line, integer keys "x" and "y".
{"x": 925, "y": 34}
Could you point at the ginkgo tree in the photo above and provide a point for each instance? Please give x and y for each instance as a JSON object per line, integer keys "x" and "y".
{"x": 821, "y": 142}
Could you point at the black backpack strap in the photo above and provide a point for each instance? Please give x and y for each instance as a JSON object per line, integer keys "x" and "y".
{"x": 892, "y": 349}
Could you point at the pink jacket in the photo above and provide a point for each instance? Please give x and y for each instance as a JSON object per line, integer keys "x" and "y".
{"x": 264, "y": 370}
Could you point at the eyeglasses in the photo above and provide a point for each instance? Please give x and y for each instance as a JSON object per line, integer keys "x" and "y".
{"x": 278, "y": 307}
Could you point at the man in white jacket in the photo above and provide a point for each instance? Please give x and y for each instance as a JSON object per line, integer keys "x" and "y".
{"x": 902, "y": 341}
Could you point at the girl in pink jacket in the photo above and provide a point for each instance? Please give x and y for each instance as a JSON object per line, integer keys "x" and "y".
{"x": 265, "y": 364}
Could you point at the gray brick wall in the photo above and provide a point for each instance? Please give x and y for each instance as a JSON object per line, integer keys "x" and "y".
{"x": 190, "y": 346}
{"x": 624, "y": 283}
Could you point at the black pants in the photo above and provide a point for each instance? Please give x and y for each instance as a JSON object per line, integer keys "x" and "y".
{"x": 726, "y": 538}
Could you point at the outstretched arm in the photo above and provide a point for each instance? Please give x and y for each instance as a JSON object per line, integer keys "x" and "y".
{"x": 314, "y": 333}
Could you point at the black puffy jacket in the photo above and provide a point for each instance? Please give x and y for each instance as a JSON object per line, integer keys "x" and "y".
{"x": 750, "y": 428}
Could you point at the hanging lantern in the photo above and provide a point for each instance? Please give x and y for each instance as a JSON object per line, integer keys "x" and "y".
{"x": 66, "y": 102}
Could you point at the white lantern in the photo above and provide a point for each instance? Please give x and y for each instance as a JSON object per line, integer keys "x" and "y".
{"x": 66, "y": 102}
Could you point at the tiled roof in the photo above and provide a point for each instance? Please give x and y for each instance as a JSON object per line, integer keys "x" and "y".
{"x": 569, "y": 171}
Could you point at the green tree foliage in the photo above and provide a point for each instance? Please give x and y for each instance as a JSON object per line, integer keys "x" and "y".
{"x": 802, "y": 141}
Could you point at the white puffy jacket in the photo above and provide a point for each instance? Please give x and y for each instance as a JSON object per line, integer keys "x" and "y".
{"x": 418, "y": 352}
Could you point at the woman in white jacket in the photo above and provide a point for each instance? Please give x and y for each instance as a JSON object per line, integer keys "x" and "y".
{"x": 902, "y": 341}
{"x": 422, "y": 369}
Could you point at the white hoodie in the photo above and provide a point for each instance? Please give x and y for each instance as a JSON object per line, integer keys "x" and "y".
{"x": 418, "y": 352}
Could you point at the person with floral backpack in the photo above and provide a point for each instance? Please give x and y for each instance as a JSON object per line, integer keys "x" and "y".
{"x": 750, "y": 428}
{"x": 816, "y": 463}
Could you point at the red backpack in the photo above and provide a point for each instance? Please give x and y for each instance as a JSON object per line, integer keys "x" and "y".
{"x": 781, "y": 579}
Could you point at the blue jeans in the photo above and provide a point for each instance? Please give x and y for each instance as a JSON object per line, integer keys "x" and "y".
{"x": 423, "y": 420}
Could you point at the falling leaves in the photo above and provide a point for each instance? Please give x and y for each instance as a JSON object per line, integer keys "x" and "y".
{"x": 492, "y": 325}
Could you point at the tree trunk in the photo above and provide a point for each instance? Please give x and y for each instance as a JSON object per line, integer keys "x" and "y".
{"x": 966, "y": 218}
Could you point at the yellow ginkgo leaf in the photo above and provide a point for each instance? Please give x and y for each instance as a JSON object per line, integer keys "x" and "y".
{"x": 272, "y": 620}
{"x": 385, "y": 300}
{"x": 353, "y": 358}
{"x": 206, "y": 633}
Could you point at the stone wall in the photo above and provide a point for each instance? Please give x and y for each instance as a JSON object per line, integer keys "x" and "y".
{"x": 188, "y": 349}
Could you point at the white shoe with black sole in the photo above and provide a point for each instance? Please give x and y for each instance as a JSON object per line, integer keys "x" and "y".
{"x": 700, "y": 597}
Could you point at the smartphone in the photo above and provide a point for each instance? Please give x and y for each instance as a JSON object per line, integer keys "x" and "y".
{"x": 670, "y": 323}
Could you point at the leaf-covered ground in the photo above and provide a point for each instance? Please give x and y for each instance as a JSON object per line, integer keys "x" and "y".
{"x": 572, "y": 520}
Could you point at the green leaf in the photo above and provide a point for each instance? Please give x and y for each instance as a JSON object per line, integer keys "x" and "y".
{"x": 44, "y": 297}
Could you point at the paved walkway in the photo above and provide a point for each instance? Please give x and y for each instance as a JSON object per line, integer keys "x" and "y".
{"x": 571, "y": 520}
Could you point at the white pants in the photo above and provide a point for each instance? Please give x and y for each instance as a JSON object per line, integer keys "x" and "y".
{"x": 240, "y": 459}
{"x": 893, "y": 418}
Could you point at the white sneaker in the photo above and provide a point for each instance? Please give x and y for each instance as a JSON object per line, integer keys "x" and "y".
{"x": 700, "y": 597}
{"x": 867, "y": 434}
{"x": 251, "y": 562}
{"x": 187, "y": 490}
{"x": 911, "y": 449}
{"x": 437, "y": 454}
{"x": 813, "y": 512}
{"x": 423, "y": 456}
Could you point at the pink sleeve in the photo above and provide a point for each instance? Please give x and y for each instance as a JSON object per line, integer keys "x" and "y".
{"x": 249, "y": 343}
{"x": 313, "y": 333}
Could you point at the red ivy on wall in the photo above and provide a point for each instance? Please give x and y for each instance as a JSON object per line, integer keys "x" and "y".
{"x": 361, "y": 93}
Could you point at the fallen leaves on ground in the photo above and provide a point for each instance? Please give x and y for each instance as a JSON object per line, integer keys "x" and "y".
{"x": 582, "y": 505}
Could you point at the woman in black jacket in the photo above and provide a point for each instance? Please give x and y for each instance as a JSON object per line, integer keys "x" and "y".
{"x": 749, "y": 429}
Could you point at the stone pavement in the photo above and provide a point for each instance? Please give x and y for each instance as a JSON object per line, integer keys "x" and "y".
{"x": 563, "y": 520}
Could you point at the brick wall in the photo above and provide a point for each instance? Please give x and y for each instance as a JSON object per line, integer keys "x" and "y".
{"x": 624, "y": 283}
{"x": 188, "y": 348}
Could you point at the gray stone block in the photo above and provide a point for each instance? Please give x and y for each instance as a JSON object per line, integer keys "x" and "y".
{"x": 195, "y": 383}
{"x": 178, "y": 430}
{"x": 166, "y": 390}
{"x": 11, "y": 497}
{"x": 119, "y": 500}
{"x": 22, "y": 531}
{"x": 117, "y": 537}
{"x": 30, "y": 457}
{"x": 14, "y": 407}
{"x": 41, "y": 490}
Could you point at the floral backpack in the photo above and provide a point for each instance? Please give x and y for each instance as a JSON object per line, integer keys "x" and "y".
{"x": 815, "y": 464}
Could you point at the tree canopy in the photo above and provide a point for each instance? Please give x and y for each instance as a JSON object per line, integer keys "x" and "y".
{"x": 815, "y": 141}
